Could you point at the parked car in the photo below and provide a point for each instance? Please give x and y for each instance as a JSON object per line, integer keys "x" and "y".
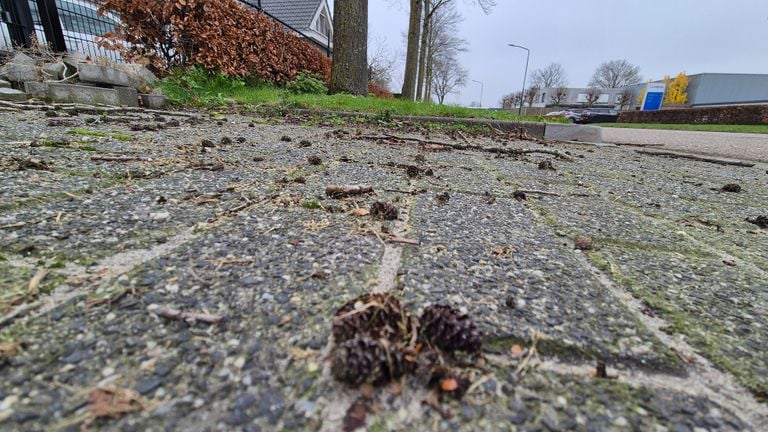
{"x": 570, "y": 114}
{"x": 598, "y": 115}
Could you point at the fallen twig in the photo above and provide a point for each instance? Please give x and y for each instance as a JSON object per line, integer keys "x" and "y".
{"x": 398, "y": 239}
{"x": 339, "y": 191}
{"x": 496, "y": 150}
{"x": 403, "y": 191}
{"x": 119, "y": 158}
{"x": 696, "y": 158}
{"x": 33, "y": 289}
{"x": 176, "y": 314}
{"x": 458, "y": 132}
{"x": 539, "y": 192}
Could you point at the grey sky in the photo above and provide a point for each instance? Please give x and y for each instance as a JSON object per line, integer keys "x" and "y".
{"x": 661, "y": 36}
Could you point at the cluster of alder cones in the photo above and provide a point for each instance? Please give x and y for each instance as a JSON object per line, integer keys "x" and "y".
{"x": 377, "y": 340}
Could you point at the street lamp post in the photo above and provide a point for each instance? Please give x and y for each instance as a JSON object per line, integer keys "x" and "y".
{"x": 481, "y": 91}
{"x": 525, "y": 75}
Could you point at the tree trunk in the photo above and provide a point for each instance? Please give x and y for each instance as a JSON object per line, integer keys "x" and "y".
{"x": 349, "y": 73}
{"x": 423, "y": 51}
{"x": 430, "y": 62}
{"x": 412, "y": 54}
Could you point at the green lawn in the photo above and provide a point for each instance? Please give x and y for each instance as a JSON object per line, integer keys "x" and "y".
{"x": 197, "y": 87}
{"x": 274, "y": 96}
{"x": 759, "y": 129}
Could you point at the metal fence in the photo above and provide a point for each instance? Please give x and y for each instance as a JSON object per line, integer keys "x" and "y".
{"x": 74, "y": 25}
{"x": 62, "y": 25}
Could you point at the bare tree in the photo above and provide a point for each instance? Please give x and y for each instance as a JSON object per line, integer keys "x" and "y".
{"x": 443, "y": 42}
{"x": 614, "y": 74}
{"x": 593, "y": 95}
{"x": 349, "y": 72}
{"x": 559, "y": 96}
{"x": 551, "y": 76}
{"x": 415, "y": 23}
{"x": 530, "y": 95}
{"x": 448, "y": 75}
{"x": 381, "y": 63}
{"x": 511, "y": 101}
{"x": 625, "y": 98}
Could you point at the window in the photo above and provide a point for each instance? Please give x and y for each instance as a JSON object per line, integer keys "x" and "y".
{"x": 323, "y": 25}
{"x": 543, "y": 97}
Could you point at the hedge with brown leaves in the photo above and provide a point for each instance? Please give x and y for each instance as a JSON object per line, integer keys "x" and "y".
{"x": 221, "y": 35}
{"x": 738, "y": 114}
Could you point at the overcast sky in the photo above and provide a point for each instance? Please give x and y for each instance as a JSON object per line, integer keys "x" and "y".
{"x": 660, "y": 36}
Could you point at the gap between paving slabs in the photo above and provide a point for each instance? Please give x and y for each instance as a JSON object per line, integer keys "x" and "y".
{"x": 684, "y": 386}
{"x": 386, "y": 280}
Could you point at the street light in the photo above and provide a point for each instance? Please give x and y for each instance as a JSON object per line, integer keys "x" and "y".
{"x": 525, "y": 75}
{"x": 481, "y": 91}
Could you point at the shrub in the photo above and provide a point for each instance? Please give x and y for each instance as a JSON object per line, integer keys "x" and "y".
{"x": 306, "y": 83}
{"x": 219, "y": 35}
{"x": 198, "y": 86}
{"x": 740, "y": 115}
{"x": 379, "y": 92}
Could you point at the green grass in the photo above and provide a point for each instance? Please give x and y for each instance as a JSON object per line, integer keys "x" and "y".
{"x": 197, "y": 87}
{"x": 273, "y": 96}
{"x": 758, "y": 129}
{"x": 84, "y": 132}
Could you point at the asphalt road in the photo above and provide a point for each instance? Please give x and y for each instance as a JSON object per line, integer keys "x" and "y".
{"x": 744, "y": 146}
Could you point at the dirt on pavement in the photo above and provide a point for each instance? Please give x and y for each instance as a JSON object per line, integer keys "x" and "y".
{"x": 152, "y": 282}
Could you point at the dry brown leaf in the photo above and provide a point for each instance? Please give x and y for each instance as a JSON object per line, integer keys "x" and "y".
{"x": 516, "y": 350}
{"x": 360, "y": 212}
{"x": 9, "y": 349}
{"x": 448, "y": 384}
{"x": 113, "y": 402}
{"x": 355, "y": 417}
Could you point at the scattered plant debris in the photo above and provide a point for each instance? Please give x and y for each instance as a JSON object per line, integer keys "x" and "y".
{"x": 340, "y": 191}
{"x": 442, "y": 198}
{"x": 240, "y": 140}
{"x": 315, "y": 160}
{"x": 206, "y": 143}
{"x": 600, "y": 370}
{"x": 546, "y": 165}
{"x": 502, "y": 251}
{"x": 21, "y": 164}
{"x": 112, "y": 402}
{"x": 356, "y": 415}
{"x": 376, "y": 341}
{"x": 731, "y": 187}
{"x": 226, "y": 141}
{"x": 384, "y": 211}
{"x": 519, "y": 195}
{"x": 305, "y": 143}
{"x": 761, "y": 221}
{"x": 449, "y": 330}
{"x": 584, "y": 243}
{"x": 360, "y": 212}
{"x": 189, "y": 317}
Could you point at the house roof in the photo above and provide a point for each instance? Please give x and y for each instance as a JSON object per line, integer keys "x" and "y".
{"x": 295, "y": 13}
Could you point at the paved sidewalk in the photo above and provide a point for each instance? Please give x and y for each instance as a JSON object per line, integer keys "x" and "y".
{"x": 743, "y": 146}
{"x": 166, "y": 273}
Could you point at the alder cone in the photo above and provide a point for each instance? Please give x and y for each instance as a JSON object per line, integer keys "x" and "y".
{"x": 374, "y": 315}
{"x": 364, "y": 360}
{"x": 449, "y": 330}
